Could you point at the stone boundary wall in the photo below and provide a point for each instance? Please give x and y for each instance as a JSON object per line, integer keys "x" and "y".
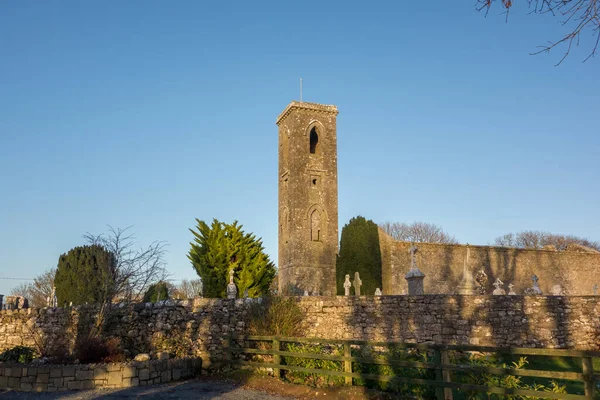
{"x": 443, "y": 264}
{"x": 200, "y": 326}
{"x": 51, "y": 378}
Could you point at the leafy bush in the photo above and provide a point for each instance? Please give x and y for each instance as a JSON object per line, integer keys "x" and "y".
{"x": 311, "y": 379}
{"x": 503, "y": 381}
{"x": 176, "y": 343}
{"x": 19, "y": 354}
{"x": 279, "y": 316}
{"x": 156, "y": 292}
{"x": 393, "y": 354}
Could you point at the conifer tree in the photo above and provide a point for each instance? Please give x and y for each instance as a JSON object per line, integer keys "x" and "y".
{"x": 359, "y": 252}
{"x": 86, "y": 274}
{"x": 222, "y": 247}
{"x": 157, "y": 292}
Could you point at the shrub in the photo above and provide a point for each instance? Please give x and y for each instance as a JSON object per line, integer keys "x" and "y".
{"x": 176, "y": 343}
{"x": 157, "y": 292}
{"x": 19, "y": 354}
{"x": 311, "y": 379}
{"x": 279, "y": 316}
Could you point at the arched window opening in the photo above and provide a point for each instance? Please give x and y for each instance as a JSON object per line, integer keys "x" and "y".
{"x": 314, "y": 140}
{"x": 315, "y": 226}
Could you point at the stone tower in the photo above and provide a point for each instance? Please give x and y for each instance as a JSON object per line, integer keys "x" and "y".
{"x": 308, "y": 199}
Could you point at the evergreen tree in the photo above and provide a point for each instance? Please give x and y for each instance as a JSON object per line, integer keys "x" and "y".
{"x": 157, "y": 292}
{"x": 359, "y": 252}
{"x": 222, "y": 247}
{"x": 86, "y": 274}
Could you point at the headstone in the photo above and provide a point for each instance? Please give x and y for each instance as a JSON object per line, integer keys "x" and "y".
{"x": 231, "y": 288}
{"x": 306, "y": 292}
{"x": 498, "y": 285}
{"x": 1, "y": 298}
{"x": 511, "y": 291}
{"x": 347, "y": 285}
{"x": 357, "y": 284}
{"x": 200, "y": 288}
{"x": 594, "y": 288}
{"x": 403, "y": 292}
{"x": 414, "y": 276}
{"x": 557, "y": 290}
{"x": 378, "y": 292}
{"x": 52, "y": 300}
{"x": 535, "y": 290}
{"x": 481, "y": 280}
{"x": 467, "y": 285}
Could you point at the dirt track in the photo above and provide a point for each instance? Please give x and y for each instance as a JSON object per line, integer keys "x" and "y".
{"x": 195, "y": 389}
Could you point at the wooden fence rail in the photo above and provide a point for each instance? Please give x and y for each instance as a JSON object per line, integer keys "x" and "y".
{"x": 442, "y": 383}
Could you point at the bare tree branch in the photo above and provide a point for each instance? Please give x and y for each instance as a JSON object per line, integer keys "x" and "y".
{"x": 579, "y": 16}
{"x": 417, "y": 232}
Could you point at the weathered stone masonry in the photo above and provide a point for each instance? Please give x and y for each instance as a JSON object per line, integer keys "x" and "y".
{"x": 575, "y": 271}
{"x": 521, "y": 321}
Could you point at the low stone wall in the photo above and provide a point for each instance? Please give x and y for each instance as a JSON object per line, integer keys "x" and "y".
{"x": 198, "y": 327}
{"x": 50, "y": 378}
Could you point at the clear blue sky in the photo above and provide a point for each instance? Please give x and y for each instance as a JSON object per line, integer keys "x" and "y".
{"x": 153, "y": 113}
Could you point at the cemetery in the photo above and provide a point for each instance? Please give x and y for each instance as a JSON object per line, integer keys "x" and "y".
{"x": 435, "y": 299}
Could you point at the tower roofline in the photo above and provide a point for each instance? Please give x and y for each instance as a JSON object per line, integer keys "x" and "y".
{"x": 323, "y": 108}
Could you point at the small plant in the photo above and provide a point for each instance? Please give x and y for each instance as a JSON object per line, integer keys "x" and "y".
{"x": 19, "y": 354}
{"x": 277, "y": 315}
{"x": 311, "y": 379}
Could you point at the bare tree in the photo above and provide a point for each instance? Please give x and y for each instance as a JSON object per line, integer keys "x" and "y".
{"x": 188, "y": 289}
{"x": 38, "y": 291}
{"x": 135, "y": 270}
{"x": 578, "y": 16}
{"x": 417, "y": 232}
{"x": 539, "y": 239}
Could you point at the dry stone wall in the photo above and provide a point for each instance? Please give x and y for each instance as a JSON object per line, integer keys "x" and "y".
{"x": 199, "y": 326}
{"x": 576, "y": 271}
{"x": 50, "y": 378}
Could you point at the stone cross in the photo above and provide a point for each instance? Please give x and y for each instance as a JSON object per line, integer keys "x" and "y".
{"x": 347, "y": 285}
{"x": 357, "y": 284}
{"x": 511, "y": 289}
{"x": 378, "y": 292}
{"x": 498, "y": 285}
{"x": 536, "y": 287}
{"x": 413, "y": 255}
{"x": 231, "y": 288}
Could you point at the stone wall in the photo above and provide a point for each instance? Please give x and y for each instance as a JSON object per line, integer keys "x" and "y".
{"x": 50, "y": 378}
{"x": 506, "y": 321}
{"x": 576, "y": 271}
{"x": 199, "y": 326}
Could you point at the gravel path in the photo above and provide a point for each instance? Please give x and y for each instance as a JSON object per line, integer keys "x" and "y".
{"x": 195, "y": 389}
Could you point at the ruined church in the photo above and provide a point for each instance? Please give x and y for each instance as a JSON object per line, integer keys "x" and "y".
{"x": 308, "y": 229}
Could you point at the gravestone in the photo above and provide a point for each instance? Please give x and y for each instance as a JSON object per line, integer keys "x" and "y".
{"x": 481, "y": 280}
{"x": 511, "y": 291}
{"x": 306, "y": 292}
{"x": 357, "y": 284}
{"x": 535, "y": 290}
{"x": 1, "y": 298}
{"x": 499, "y": 290}
{"x": 231, "y": 288}
{"x": 594, "y": 288}
{"x": 467, "y": 285}
{"x": 378, "y": 292}
{"x": 52, "y": 300}
{"x": 414, "y": 276}
{"x": 557, "y": 290}
{"x": 347, "y": 285}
